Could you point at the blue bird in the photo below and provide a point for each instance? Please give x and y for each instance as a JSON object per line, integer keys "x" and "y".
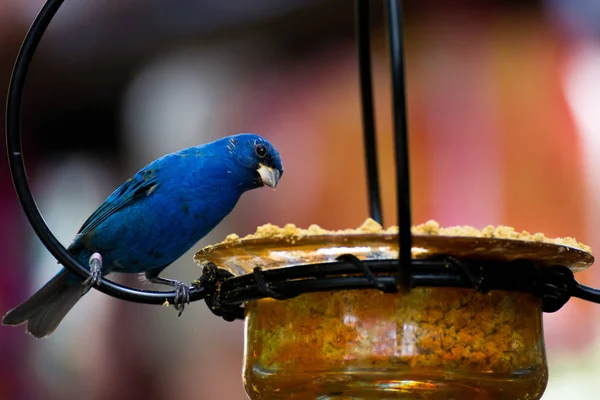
{"x": 153, "y": 219}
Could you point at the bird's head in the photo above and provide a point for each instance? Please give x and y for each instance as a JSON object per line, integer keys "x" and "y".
{"x": 257, "y": 156}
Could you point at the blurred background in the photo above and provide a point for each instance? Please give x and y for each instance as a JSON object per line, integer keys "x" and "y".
{"x": 504, "y": 129}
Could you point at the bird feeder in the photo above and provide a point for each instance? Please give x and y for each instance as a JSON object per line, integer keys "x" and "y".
{"x": 370, "y": 313}
{"x": 470, "y": 327}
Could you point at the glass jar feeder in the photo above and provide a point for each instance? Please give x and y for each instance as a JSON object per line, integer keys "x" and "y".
{"x": 430, "y": 343}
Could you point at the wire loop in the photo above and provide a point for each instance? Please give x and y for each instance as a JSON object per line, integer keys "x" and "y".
{"x": 210, "y": 281}
{"x": 19, "y": 175}
{"x": 554, "y": 285}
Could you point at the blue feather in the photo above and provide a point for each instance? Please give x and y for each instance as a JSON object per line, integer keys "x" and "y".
{"x": 154, "y": 218}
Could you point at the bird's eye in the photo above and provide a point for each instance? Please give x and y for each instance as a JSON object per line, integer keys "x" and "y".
{"x": 260, "y": 150}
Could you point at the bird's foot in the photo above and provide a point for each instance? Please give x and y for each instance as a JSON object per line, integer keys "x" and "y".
{"x": 182, "y": 291}
{"x": 95, "y": 272}
{"x": 182, "y": 296}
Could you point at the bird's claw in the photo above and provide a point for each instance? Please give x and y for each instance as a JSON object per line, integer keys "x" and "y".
{"x": 95, "y": 272}
{"x": 182, "y": 296}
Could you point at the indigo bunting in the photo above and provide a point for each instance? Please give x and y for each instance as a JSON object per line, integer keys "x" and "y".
{"x": 153, "y": 219}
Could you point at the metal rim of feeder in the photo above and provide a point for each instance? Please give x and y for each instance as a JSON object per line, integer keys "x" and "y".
{"x": 224, "y": 293}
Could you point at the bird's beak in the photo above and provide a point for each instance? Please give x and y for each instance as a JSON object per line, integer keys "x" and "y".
{"x": 270, "y": 176}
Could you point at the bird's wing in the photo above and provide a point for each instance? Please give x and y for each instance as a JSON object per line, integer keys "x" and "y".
{"x": 142, "y": 184}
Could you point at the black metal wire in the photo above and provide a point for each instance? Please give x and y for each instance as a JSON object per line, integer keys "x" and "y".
{"x": 368, "y": 113}
{"x": 19, "y": 175}
{"x": 401, "y": 144}
{"x": 555, "y": 285}
{"x": 362, "y": 267}
{"x": 587, "y": 293}
{"x": 211, "y": 280}
{"x": 264, "y": 286}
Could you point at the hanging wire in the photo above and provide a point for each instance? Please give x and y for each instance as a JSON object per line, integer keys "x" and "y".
{"x": 401, "y": 145}
{"x": 18, "y": 172}
{"x": 368, "y": 113}
{"x": 17, "y": 168}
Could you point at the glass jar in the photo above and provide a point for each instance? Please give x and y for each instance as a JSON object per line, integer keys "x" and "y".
{"x": 433, "y": 343}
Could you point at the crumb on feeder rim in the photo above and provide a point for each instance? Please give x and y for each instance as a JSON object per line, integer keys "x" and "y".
{"x": 430, "y": 227}
{"x": 272, "y": 246}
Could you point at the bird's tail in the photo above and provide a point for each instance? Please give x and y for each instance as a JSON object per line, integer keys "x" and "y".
{"x": 45, "y": 309}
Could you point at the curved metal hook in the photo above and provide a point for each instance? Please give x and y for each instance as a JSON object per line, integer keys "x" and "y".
{"x": 19, "y": 176}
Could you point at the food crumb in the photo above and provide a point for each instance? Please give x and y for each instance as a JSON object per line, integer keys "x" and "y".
{"x": 370, "y": 226}
{"x": 232, "y": 238}
{"x": 498, "y": 232}
{"x": 292, "y": 233}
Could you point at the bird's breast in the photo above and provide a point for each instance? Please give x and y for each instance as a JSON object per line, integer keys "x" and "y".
{"x": 153, "y": 233}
